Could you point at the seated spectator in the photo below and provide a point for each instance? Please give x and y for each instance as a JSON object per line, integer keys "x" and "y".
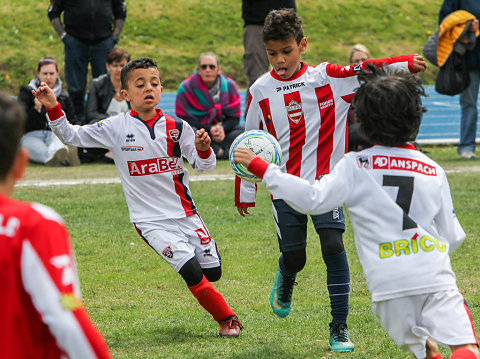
{"x": 104, "y": 99}
{"x": 356, "y": 141}
{"x": 210, "y": 100}
{"x": 42, "y": 144}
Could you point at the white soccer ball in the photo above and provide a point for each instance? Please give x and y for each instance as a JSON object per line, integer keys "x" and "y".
{"x": 262, "y": 144}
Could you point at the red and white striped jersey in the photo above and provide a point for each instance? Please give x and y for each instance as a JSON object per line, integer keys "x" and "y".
{"x": 40, "y": 310}
{"x": 401, "y": 210}
{"x": 148, "y": 159}
{"x": 307, "y": 114}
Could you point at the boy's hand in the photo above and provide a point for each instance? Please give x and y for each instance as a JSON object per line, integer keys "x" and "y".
{"x": 45, "y": 95}
{"x": 243, "y": 156}
{"x": 243, "y": 211}
{"x": 202, "y": 140}
{"x": 419, "y": 64}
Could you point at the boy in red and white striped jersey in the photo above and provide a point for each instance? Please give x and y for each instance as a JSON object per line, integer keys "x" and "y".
{"x": 42, "y": 314}
{"x": 148, "y": 148}
{"x": 305, "y": 108}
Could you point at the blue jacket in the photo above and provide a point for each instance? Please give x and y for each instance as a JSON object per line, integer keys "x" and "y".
{"x": 473, "y": 7}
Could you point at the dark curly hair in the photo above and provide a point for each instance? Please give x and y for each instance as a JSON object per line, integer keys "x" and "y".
{"x": 12, "y": 126}
{"x": 281, "y": 25}
{"x": 139, "y": 63}
{"x": 388, "y": 107}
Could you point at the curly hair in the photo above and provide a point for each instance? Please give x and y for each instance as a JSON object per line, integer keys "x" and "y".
{"x": 281, "y": 25}
{"x": 12, "y": 126}
{"x": 388, "y": 107}
{"x": 139, "y": 63}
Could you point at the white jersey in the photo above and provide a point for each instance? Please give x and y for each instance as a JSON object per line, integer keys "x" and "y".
{"x": 307, "y": 114}
{"x": 401, "y": 211}
{"x": 149, "y": 161}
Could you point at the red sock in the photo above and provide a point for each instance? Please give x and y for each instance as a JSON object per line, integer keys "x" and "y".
{"x": 211, "y": 300}
{"x": 438, "y": 356}
{"x": 463, "y": 353}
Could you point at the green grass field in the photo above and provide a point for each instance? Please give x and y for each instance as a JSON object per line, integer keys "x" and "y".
{"x": 145, "y": 310}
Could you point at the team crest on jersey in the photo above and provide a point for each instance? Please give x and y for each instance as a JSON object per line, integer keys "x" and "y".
{"x": 174, "y": 134}
{"x": 167, "y": 252}
{"x": 363, "y": 161}
{"x": 294, "y": 111}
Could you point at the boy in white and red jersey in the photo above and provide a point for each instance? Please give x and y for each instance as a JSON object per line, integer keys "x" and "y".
{"x": 41, "y": 313}
{"x": 148, "y": 148}
{"x": 401, "y": 210}
{"x": 306, "y": 108}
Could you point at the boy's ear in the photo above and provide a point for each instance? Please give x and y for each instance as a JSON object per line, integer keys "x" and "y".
{"x": 124, "y": 94}
{"x": 20, "y": 164}
{"x": 303, "y": 44}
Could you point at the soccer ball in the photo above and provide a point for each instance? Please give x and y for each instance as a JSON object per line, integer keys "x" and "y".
{"x": 262, "y": 144}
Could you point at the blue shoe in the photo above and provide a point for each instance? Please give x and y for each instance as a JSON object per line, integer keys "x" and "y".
{"x": 281, "y": 296}
{"x": 339, "y": 341}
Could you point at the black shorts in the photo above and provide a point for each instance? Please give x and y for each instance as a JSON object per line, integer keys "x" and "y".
{"x": 292, "y": 225}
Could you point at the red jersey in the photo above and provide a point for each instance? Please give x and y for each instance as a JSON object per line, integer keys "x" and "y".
{"x": 41, "y": 313}
{"x": 307, "y": 114}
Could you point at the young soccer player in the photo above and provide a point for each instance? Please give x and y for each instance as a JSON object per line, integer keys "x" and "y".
{"x": 42, "y": 314}
{"x": 305, "y": 108}
{"x": 402, "y": 215}
{"x": 148, "y": 147}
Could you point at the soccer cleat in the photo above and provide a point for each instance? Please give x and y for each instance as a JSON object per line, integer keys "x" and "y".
{"x": 281, "y": 296}
{"x": 230, "y": 327}
{"x": 339, "y": 341}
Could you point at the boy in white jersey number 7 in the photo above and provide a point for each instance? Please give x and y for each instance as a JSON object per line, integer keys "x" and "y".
{"x": 148, "y": 147}
{"x": 402, "y": 215}
{"x": 305, "y": 108}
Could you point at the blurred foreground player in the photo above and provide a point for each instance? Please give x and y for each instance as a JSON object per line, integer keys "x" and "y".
{"x": 41, "y": 312}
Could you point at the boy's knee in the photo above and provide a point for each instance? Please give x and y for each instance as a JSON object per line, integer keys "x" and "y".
{"x": 331, "y": 241}
{"x": 294, "y": 261}
{"x": 191, "y": 272}
{"x": 213, "y": 274}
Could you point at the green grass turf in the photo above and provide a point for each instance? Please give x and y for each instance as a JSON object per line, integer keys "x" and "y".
{"x": 145, "y": 310}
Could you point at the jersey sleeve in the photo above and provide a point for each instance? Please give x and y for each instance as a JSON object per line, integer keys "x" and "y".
{"x": 200, "y": 160}
{"x": 330, "y": 192}
{"x": 446, "y": 220}
{"x": 100, "y": 134}
{"x": 245, "y": 192}
{"x": 49, "y": 277}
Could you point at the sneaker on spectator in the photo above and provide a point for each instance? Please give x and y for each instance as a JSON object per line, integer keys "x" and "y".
{"x": 72, "y": 156}
{"x": 57, "y": 158}
{"x": 467, "y": 154}
{"x": 230, "y": 327}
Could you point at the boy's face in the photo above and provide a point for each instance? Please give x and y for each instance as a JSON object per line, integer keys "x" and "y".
{"x": 144, "y": 90}
{"x": 284, "y": 56}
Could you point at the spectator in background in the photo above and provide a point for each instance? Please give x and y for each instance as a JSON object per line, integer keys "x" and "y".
{"x": 468, "y": 98}
{"x": 89, "y": 30}
{"x": 43, "y": 145}
{"x": 40, "y": 306}
{"x": 210, "y": 100}
{"x": 356, "y": 141}
{"x": 254, "y": 12}
{"x": 104, "y": 99}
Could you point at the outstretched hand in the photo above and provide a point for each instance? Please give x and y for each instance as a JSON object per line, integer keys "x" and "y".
{"x": 45, "y": 95}
{"x": 202, "y": 140}
{"x": 243, "y": 156}
{"x": 419, "y": 64}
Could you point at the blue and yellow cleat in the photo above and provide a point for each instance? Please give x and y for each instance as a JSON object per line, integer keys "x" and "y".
{"x": 281, "y": 296}
{"x": 339, "y": 341}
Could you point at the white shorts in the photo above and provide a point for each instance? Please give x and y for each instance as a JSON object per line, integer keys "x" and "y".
{"x": 442, "y": 316}
{"x": 179, "y": 240}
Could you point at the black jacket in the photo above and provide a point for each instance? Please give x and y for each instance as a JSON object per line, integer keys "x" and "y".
{"x": 38, "y": 120}
{"x": 91, "y": 21}
{"x": 99, "y": 97}
{"x": 473, "y": 7}
{"x": 254, "y": 12}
